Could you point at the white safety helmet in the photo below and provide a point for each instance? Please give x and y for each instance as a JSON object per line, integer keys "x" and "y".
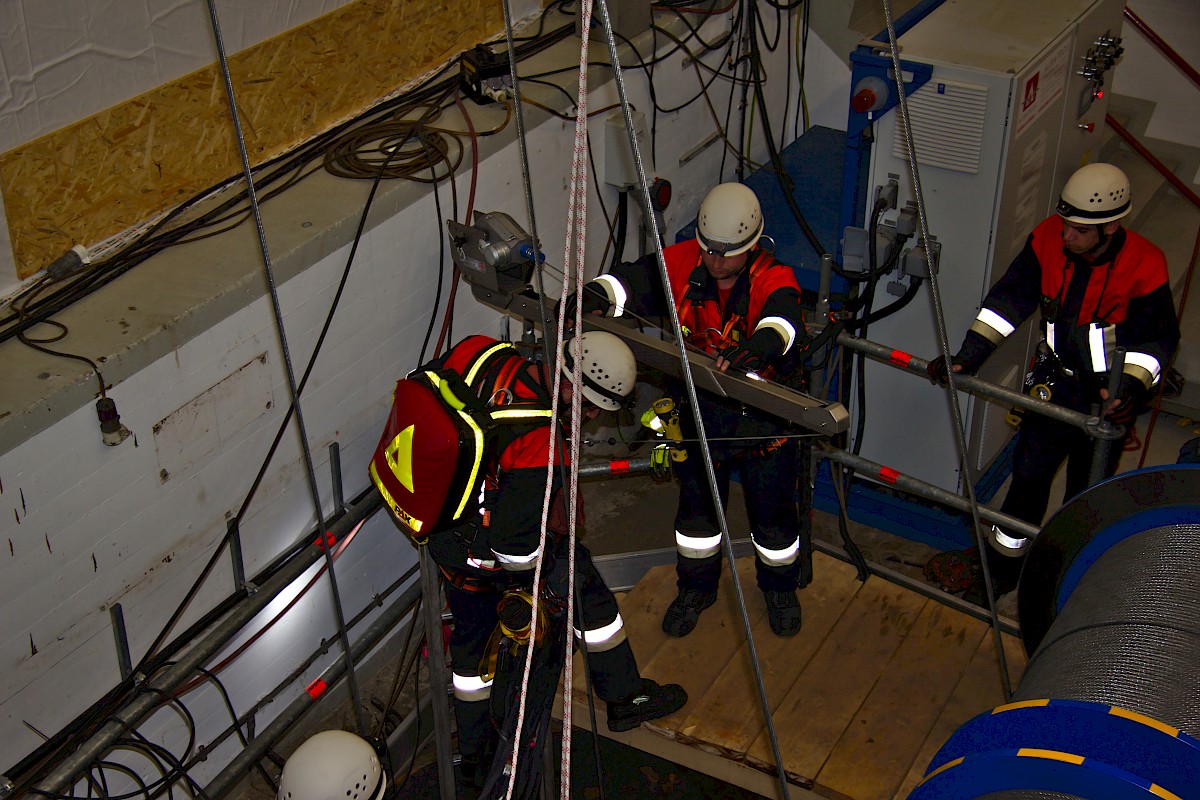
{"x": 609, "y": 369}
{"x": 730, "y": 220}
{"x": 1095, "y": 194}
{"x": 333, "y": 765}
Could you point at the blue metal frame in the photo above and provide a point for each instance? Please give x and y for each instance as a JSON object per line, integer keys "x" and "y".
{"x": 1123, "y": 753}
{"x": 864, "y": 62}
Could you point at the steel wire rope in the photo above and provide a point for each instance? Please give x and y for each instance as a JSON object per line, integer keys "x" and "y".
{"x": 693, "y": 397}
{"x": 939, "y": 319}
{"x": 310, "y": 469}
{"x": 282, "y": 429}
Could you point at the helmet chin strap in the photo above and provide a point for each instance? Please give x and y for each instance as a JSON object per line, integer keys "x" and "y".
{"x": 1102, "y": 240}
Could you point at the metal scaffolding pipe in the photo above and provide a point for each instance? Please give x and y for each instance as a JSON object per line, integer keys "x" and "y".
{"x": 906, "y": 362}
{"x": 862, "y": 466}
{"x": 244, "y": 761}
{"x": 928, "y": 491}
{"x": 59, "y": 778}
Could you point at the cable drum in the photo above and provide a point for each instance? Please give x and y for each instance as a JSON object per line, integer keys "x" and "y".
{"x": 1130, "y": 633}
{"x": 1109, "y": 607}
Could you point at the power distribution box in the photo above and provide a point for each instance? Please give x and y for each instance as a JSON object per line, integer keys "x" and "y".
{"x": 1010, "y": 109}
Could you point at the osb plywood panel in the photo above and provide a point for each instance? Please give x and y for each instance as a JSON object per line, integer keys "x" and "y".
{"x": 109, "y": 172}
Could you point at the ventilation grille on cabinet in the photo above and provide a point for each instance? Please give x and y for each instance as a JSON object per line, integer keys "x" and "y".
{"x": 947, "y": 121}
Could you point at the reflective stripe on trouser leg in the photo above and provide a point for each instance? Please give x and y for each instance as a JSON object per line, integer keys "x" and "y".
{"x": 603, "y": 637}
{"x": 690, "y": 545}
{"x": 780, "y": 529}
{"x": 471, "y": 688}
{"x": 776, "y": 558}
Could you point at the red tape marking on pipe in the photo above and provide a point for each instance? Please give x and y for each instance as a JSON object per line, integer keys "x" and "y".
{"x": 316, "y": 688}
{"x": 888, "y": 474}
{"x": 619, "y": 467}
{"x": 900, "y": 357}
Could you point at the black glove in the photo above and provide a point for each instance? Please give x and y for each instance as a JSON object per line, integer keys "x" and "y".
{"x": 937, "y": 371}
{"x": 753, "y": 354}
{"x": 1129, "y": 393}
{"x": 594, "y": 299}
{"x": 742, "y": 359}
{"x": 974, "y": 351}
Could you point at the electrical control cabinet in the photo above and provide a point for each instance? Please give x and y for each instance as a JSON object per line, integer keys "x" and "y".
{"x": 1013, "y": 104}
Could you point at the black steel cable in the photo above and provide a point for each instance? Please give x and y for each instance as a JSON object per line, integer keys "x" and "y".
{"x": 287, "y": 360}
{"x": 689, "y": 382}
{"x": 943, "y": 341}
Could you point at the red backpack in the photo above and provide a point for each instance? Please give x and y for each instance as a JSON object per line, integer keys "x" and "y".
{"x": 442, "y": 434}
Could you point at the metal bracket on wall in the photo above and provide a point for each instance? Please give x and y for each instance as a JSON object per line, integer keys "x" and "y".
{"x": 124, "y": 661}
{"x": 335, "y": 470}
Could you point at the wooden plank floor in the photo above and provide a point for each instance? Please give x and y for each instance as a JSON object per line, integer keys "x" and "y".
{"x": 861, "y": 699}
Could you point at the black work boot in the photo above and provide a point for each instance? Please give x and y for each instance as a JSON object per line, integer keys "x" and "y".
{"x": 783, "y": 612}
{"x": 650, "y": 702}
{"x": 684, "y": 611}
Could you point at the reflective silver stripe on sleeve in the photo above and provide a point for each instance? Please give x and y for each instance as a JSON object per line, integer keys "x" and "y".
{"x": 996, "y": 322}
{"x": 1096, "y": 351}
{"x": 470, "y": 688}
{"x": 778, "y": 558}
{"x": 1143, "y": 361}
{"x": 517, "y": 562}
{"x": 1050, "y": 337}
{"x": 785, "y": 329}
{"x": 606, "y": 637}
{"x": 616, "y": 293}
{"x": 697, "y": 546}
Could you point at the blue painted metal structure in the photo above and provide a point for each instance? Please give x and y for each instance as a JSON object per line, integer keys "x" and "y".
{"x": 1120, "y": 751}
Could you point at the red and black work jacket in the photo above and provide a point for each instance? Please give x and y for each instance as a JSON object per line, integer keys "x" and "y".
{"x": 1089, "y": 307}
{"x": 761, "y": 311}
{"x": 503, "y": 529}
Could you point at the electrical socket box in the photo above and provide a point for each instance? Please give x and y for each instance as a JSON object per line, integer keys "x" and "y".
{"x": 484, "y": 73}
{"x": 619, "y": 168}
{"x": 629, "y": 18}
{"x": 915, "y": 261}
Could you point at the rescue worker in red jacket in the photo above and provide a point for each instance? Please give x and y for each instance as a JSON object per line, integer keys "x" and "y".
{"x": 1098, "y": 286}
{"x": 737, "y": 303}
{"x": 497, "y": 549}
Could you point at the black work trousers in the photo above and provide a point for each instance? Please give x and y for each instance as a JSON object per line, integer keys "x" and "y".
{"x": 1042, "y": 446}
{"x": 769, "y": 470}
{"x": 614, "y": 672}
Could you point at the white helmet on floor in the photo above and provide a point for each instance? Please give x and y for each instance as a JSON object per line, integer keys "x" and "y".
{"x": 609, "y": 369}
{"x": 333, "y": 765}
{"x": 730, "y": 220}
{"x": 1095, "y": 194}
